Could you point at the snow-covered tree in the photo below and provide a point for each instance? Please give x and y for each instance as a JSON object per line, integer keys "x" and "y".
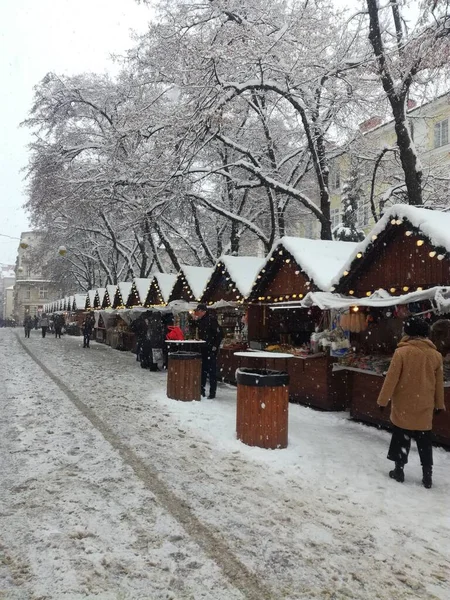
{"x": 347, "y": 230}
{"x": 406, "y": 57}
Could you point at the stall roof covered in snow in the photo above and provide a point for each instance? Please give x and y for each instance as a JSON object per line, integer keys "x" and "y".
{"x": 433, "y": 224}
{"x": 91, "y": 296}
{"x": 124, "y": 288}
{"x": 320, "y": 260}
{"x": 165, "y": 281}
{"x": 197, "y": 278}
{"x": 79, "y": 301}
{"x": 243, "y": 271}
{"x": 142, "y": 286}
{"x": 101, "y": 294}
{"x": 111, "y": 290}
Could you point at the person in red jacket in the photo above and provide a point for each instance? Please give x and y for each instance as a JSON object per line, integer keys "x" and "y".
{"x": 172, "y": 332}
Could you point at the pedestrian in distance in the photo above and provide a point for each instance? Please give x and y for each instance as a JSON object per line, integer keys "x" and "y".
{"x": 208, "y": 329}
{"x": 87, "y": 328}
{"x": 43, "y": 324}
{"x": 414, "y": 386}
{"x": 36, "y": 322}
{"x": 139, "y": 328}
{"x": 58, "y": 323}
{"x": 28, "y": 325}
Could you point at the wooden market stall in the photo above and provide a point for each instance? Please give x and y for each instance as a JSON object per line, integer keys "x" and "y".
{"x": 99, "y": 325}
{"x": 102, "y": 333}
{"x": 227, "y": 289}
{"x": 190, "y": 283}
{"x": 139, "y": 292}
{"x": 160, "y": 289}
{"x": 119, "y": 335}
{"x": 90, "y": 299}
{"x": 407, "y": 251}
{"x": 295, "y": 267}
{"x": 78, "y": 312}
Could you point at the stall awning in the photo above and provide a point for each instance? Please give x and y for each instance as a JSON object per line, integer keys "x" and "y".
{"x": 438, "y": 295}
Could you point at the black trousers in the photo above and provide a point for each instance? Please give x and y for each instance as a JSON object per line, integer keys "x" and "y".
{"x": 44, "y": 330}
{"x": 27, "y": 332}
{"x": 209, "y": 371}
{"x": 86, "y": 340}
{"x": 57, "y": 332}
{"x": 401, "y": 445}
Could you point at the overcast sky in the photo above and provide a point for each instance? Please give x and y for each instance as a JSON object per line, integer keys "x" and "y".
{"x": 38, "y": 36}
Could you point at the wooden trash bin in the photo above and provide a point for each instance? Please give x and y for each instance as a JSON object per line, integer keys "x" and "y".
{"x": 184, "y": 372}
{"x": 262, "y": 408}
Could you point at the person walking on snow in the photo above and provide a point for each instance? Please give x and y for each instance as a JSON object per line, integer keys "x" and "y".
{"x": 58, "y": 322}
{"x": 87, "y": 326}
{"x": 28, "y": 325}
{"x": 43, "y": 324}
{"x": 414, "y": 385}
{"x": 210, "y": 331}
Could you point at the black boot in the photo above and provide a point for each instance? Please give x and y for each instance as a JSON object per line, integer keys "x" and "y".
{"x": 397, "y": 473}
{"x": 427, "y": 477}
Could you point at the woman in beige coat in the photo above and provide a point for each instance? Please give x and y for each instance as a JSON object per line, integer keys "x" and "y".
{"x": 414, "y": 385}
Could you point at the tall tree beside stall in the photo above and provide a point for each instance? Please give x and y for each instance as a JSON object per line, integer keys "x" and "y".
{"x": 404, "y": 58}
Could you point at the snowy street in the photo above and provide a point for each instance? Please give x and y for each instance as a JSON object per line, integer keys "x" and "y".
{"x": 112, "y": 491}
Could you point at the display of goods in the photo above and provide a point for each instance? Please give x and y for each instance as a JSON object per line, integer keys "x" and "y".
{"x": 375, "y": 363}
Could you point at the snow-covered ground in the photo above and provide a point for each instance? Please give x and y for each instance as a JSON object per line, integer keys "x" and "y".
{"x": 110, "y": 490}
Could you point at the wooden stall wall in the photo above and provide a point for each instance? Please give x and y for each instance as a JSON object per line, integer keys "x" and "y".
{"x": 397, "y": 264}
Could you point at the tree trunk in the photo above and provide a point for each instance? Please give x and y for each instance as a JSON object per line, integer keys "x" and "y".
{"x": 408, "y": 157}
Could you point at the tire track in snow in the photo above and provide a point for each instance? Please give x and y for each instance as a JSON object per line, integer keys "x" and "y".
{"x": 216, "y": 549}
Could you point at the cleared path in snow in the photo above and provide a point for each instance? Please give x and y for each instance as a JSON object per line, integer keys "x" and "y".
{"x": 236, "y": 572}
{"x": 320, "y": 519}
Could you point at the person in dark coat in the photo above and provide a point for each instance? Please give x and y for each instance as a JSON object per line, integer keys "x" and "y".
{"x": 209, "y": 330}
{"x": 87, "y": 327}
{"x": 414, "y": 386}
{"x": 139, "y": 328}
{"x": 28, "y": 325}
{"x": 36, "y": 322}
{"x": 44, "y": 323}
{"x": 58, "y": 323}
{"x": 153, "y": 341}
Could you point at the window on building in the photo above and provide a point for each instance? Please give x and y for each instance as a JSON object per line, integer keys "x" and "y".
{"x": 335, "y": 179}
{"x": 363, "y": 214}
{"x": 441, "y": 133}
{"x": 28, "y": 293}
{"x": 43, "y": 292}
{"x": 335, "y": 217}
{"x": 28, "y": 271}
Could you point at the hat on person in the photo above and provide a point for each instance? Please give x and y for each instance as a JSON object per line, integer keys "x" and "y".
{"x": 201, "y": 306}
{"x": 416, "y": 327}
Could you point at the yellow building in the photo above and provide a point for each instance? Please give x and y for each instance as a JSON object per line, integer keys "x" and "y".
{"x": 376, "y": 141}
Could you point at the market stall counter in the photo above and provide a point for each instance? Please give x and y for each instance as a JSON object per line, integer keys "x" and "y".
{"x": 365, "y": 378}
{"x": 314, "y": 383}
{"x": 228, "y": 362}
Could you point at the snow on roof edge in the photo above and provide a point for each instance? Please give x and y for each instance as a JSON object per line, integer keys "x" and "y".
{"x": 418, "y": 217}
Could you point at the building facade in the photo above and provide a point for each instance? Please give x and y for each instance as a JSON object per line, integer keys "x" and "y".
{"x": 374, "y": 157}
{"x": 31, "y": 289}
